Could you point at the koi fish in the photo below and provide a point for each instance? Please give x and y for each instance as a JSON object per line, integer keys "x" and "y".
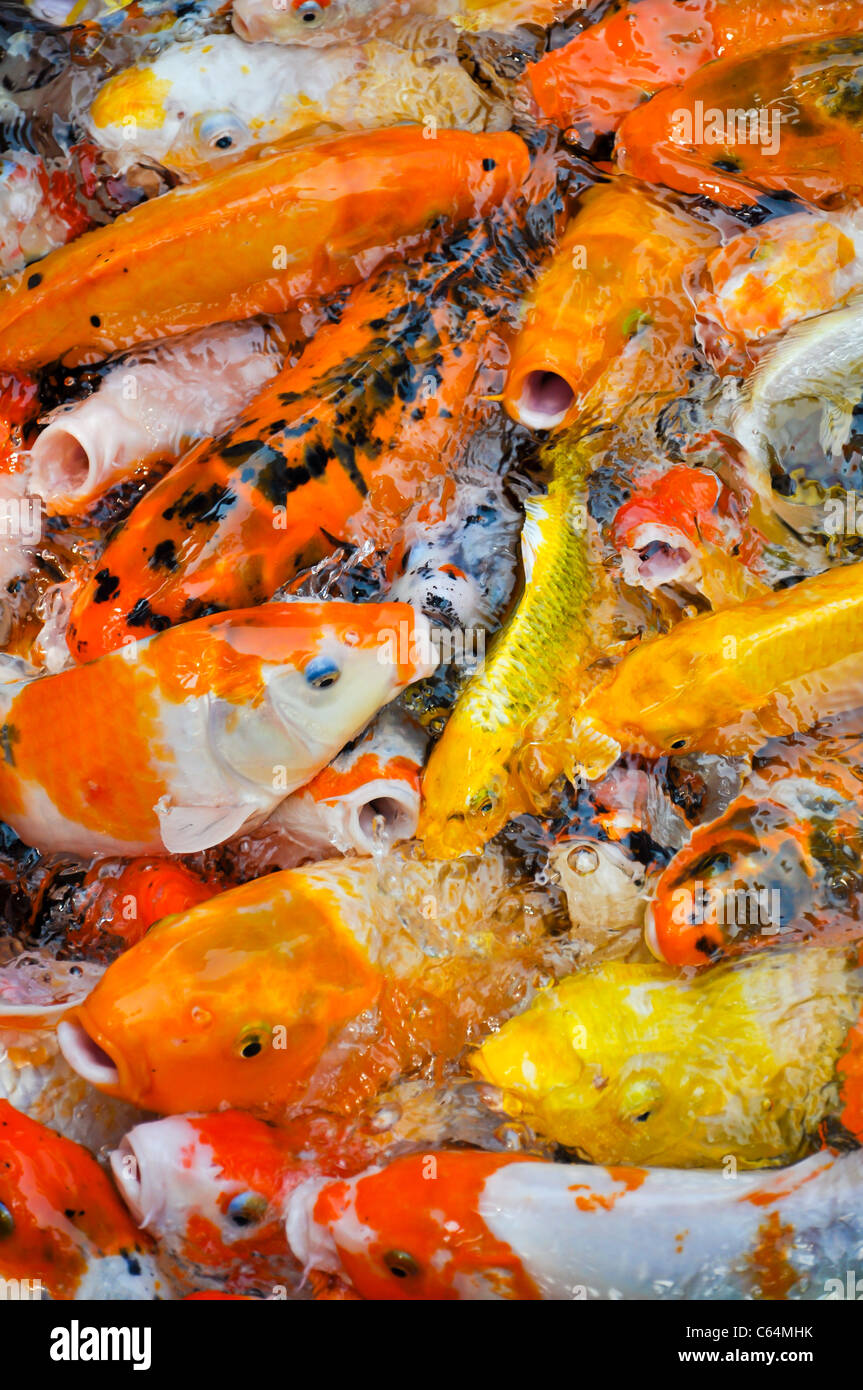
{"x": 723, "y": 681}
{"x": 631, "y": 1063}
{"x": 209, "y": 1189}
{"x": 338, "y": 447}
{"x": 366, "y": 801}
{"x": 470, "y": 1225}
{"x": 346, "y": 974}
{"x": 684, "y": 528}
{"x": 500, "y": 746}
{"x": 187, "y": 260}
{"x": 784, "y": 121}
{"x": 219, "y": 720}
{"x": 605, "y": 895}
{"x": 199, "y": 106}
{"x": 612, "y": 67}
{"x": 815, "y": 370}
{"x": 770, "y": 277}
{"x": 152, "y": 405}
{"x": 62, "y": 1226}
{"x": 460, "y": 568}
{"x": 779, "y": 864}
{"x": 125, "y": 897}
{"x": 608, "y": 320}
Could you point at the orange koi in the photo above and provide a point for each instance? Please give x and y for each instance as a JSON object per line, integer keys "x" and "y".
{"x": 63, "y": 1229}
{"x": 338, "y": 447}
{"x": 611, "y": 67}
{"x": 608, "y": 320}
{"x": 331, "y": 990}
{"x": 786, "y": 121}
{"x": 252, "y": 239}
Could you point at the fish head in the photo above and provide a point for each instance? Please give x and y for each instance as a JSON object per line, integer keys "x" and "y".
{"x": 229, "y": 1004}
{"x": 721, "y": 891}
{"x": 289, "y": 684}
{"x": 607, "y": 1063}
{"x": 317, "y": 23}
{"x": 469, "y": 791}
{"x": 194, "y": 109}
{"x": 58, "y": 1210}
{"x": 410, "y": 1231}
{"x": 209, "y": 1189}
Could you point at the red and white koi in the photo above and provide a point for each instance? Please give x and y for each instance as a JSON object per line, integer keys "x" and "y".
{"x": 471, "y": 1225}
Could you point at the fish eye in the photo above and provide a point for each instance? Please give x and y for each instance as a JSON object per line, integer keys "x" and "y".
{"x": 310, "y": 11}
{"x": 679, "y": 743}
{"x": 485, "y": 802}
{"x": 247, "y": 1208}
{"x": 222, "y": 130}
{"x": 7, "y": 1221}
{"x": 641, "y": 1099}
{"x": 401, "y": 1265}
{"x": 252, "y": 1043}
{"x": 321, "y": 674}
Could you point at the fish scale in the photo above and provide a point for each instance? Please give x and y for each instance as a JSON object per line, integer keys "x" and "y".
{"x": 472, "y": 784}
{"x": 715, "y": 683}
{"x": 344, "y": 442}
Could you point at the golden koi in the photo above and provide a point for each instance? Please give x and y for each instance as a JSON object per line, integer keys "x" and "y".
{"x": 631, "y": 1063}
{"x": 724, "y": 681}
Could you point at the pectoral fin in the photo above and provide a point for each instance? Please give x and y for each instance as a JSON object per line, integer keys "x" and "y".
{"x": 187, "y": 829}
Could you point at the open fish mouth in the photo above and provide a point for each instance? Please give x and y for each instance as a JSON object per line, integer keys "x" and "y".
{"x": 85, "y": 1055}
{"x": 545, "y": 401}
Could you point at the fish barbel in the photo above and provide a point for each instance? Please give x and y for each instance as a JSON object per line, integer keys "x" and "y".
{"x": 200, "y": 106}
{"x": 215, "y": 723}
{"x": 252, "y": 239}
{"x": 632, "y": 1063}
{"x": 608, "y": 69}
{"x": 310, "y": 988}
{"x": 62, "y": 1225}
{"x": 608, "y": 321}
{"x": 723, "y": 681}
{"x": 471, "y": 1225}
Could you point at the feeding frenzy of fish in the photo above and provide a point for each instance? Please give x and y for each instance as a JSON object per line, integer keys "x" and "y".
{"x": 431, "y": 650}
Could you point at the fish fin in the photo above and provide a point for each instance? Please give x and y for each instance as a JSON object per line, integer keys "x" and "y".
{"x": 835, "y": 431}
{"x": 535, "y": 513}
{"x": 593, "y": 753}
{"x": 187, "y": 829}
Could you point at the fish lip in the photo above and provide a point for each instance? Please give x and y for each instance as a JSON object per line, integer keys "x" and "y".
{"x": 544, "y": 400}
{"x": 651, "y": 938}
{"x": 146, "y": 1201}
{"x": 85, "y": 1055}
